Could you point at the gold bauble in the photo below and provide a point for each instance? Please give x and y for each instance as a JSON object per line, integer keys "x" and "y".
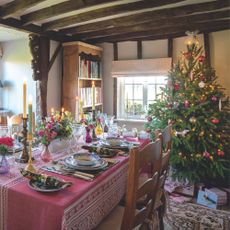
{"x": 193, "y": 129}
{"x": 192, "y": 120}
{"x": 180, "y": 154}
{"x": 210, "y": 135}
{"x": 201, "y": 134}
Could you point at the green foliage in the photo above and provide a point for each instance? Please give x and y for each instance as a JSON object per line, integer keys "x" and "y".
{"x": 197, "y": 107}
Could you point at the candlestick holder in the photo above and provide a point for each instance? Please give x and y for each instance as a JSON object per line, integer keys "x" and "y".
{"x": 94, "y": 136}
{"x": 29, "y": 166}
{"x": 24, "y": 156}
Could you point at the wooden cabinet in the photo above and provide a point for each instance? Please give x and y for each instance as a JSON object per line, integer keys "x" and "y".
{"x": 82, "y": 66}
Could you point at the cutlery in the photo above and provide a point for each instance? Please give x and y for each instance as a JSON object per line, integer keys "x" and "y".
{"x": 82, "y": 177}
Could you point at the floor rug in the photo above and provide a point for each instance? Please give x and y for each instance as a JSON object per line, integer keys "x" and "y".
{"x": 188, "y": 216}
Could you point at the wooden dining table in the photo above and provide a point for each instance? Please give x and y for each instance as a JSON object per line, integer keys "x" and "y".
{"x": 81, "y": 206}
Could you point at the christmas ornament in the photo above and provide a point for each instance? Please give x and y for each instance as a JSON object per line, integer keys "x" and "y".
{"x": 220, "y": 104}
{"x": 186, "y": 104}
{"x": 201, "y": 58}
{"x": 214, "y": 98}
{"x": 182, "y": 133}
{"x": 220, "y": 153}
{"x": 176, "y": 86}
{"x": 202, "y": 98}
{"x": 201, "y": 84}
{"x": 180, "y": 154}
{"x": 192, "y": 119}
{"x": 149, "y": 119}
{"x": 206, "y": 154}
{"x": 201, "y": 134}
{"x": 198, "y": 155}
{"x": 211, "y": 158}
{"x": 202, "y": 77}
{"x": 215, "y": 121}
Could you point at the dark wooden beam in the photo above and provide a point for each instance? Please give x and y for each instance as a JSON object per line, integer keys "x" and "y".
{"x": 58, "y": 9}
{"x": 115, "y": 57}
{"x": 104, "y": 12}
{"x": 202, "y": 26}
{"x": 147, "y": 16}
{"x": 139, "y": 49}
{"x": 59, "y": 47}
{"x": 207, "y": 48}
{"x": 17, "y": 6}
{"x": 156, "y": 23}
{"x": 17, "y": 24}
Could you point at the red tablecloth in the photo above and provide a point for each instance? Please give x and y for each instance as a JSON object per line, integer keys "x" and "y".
{"x": 81, "y": 206}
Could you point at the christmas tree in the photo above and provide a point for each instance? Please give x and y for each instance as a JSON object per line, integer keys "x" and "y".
{"x": 198, "y": 109}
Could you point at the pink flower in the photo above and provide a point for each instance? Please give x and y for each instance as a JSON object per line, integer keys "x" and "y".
{"x": 53, "y": 134}
{"x": 149, "y": 119}
{"x": 48, "y": 126}
{"x": 41, "y": 133}
{"x": 90, "y": 126}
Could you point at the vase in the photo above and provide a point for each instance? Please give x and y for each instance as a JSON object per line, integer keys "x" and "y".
{"x": 4, "y": 165}
{"x": 88, "y": 138}
{"x": 46, "y": 155}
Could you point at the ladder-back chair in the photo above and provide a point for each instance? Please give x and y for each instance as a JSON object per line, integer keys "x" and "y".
{"x": 129, "y": 217}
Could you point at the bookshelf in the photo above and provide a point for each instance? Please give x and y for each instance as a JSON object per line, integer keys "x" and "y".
{"x": 81, "y": 67}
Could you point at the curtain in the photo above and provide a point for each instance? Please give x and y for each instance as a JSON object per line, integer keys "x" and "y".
{"x": 142, "y": 67}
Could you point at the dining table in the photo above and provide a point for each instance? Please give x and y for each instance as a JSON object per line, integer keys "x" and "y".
{"x": 81, "y": 206}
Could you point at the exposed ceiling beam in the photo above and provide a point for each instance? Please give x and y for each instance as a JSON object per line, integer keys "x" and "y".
{"x": 201, "y": 26}
{"x": 104, "y": 12}
{"x": 17, "y": 24}
{"x": 17, "y": 6}
{"x": 172, "y": 21}
{"x": 147, "y": 16}
{"x": 58, "y": 9}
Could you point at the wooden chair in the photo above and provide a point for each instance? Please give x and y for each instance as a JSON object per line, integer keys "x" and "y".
{"x": 161, "y": 202}
{"x": 129, "y": 217}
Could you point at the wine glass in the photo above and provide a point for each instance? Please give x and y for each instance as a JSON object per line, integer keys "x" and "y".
{"x": 103, "y": 118}
{"x": 77, "y": 133}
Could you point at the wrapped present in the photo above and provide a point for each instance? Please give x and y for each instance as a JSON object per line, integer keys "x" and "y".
{"x": 207, "y": 198}
{"x": 221, "y": 195}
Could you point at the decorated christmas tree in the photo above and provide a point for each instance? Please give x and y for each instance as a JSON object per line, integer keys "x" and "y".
{"x": 197, "y": 107}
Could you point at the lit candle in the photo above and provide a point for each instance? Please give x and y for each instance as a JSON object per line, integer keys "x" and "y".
{"x": 24, "y": 99}
{"x": 52, "y": 111}
{"x": 30, "y": 123}
{"x": 77, "y": 109}
{"x": 220, "y": 105}
{"x": 93, "y": 92}
{"x": 62, "y": 112}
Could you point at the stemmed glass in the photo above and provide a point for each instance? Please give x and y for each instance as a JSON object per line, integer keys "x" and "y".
{"x": 77, "y": 133}
{"x": 103, "y": 118}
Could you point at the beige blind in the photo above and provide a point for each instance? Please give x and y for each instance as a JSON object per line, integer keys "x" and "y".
{"x": 125, "y": 68}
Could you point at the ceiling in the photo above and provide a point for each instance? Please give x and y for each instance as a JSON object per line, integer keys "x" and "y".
{"x": 95, "y": 21}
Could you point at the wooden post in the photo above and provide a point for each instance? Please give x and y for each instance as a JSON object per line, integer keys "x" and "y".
{"x": 207, "y": 48}
{"x": 39, "y": 47}
{"x": 115, "y": 55}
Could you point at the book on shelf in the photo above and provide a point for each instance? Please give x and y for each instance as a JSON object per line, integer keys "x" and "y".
{"x": 86, "y": 96}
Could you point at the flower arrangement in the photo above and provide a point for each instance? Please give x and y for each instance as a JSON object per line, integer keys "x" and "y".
{"x": 5, "y": 143}
{"x": 53, "y": 127}
{"x": 88, "y": 123}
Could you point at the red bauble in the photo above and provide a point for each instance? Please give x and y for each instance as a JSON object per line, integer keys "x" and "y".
{"x": 201, "y": 58}
{"x": 220, "y": 153}
{"x": 176, "y": 86}
{"x": 215, "y": 121}
{"x": 214, "y": 98}
{"x": 206, "y": 154}
{"x": 149, "y": 119}
{"x": 186, "y": 104}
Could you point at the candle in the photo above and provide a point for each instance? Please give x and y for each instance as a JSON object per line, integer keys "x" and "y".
{"x": 62, "y": 112}
{"x": 77, "y": 109}
{"x": 93, "y": 92}
{"x": 24, "y": 99}
{"x": 220, "y": 105}
{"x": 30, "y": 123}
{"x": 81, "y": 109}
{"x": 52, "y": 111}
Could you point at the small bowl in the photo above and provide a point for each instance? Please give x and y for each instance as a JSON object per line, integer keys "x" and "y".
{"x": 86, "y": 159}
{"x": 114, "y": 141}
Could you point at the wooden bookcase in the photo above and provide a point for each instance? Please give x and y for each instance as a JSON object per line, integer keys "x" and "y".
{"x": 81, "y": 66}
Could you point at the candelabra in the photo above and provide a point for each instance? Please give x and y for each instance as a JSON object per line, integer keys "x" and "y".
{"x": 24, "y": 156}
{"x": 30, "y": 166}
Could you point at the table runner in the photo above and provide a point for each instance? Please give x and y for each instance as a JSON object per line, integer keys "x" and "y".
{"x": 80, "y": 206}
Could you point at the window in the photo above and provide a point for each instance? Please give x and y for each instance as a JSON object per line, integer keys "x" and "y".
{"x": 136, "y": 93}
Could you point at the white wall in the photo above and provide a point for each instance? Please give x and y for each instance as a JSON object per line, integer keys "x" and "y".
{"x": 220, "y": 60}
{"x": 16, "y": 66}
